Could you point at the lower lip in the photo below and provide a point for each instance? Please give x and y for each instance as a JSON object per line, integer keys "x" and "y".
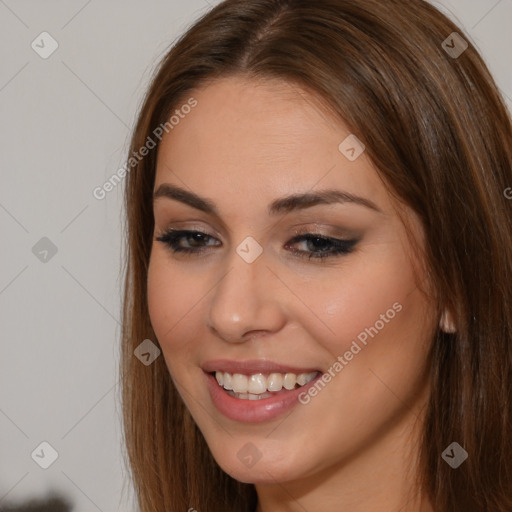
{"x": 254, "y": 411}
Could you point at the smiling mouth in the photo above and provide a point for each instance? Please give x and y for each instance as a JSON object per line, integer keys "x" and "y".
{"x": 259, "y": 386}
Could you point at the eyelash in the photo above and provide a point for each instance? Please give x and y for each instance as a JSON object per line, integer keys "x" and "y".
{"x": 341, "y": 247}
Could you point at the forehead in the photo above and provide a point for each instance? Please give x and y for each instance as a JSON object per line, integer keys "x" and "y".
{"x": 261, "y": 140}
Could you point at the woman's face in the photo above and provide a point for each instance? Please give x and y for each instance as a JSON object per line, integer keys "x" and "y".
{"x": 254, "y": 302}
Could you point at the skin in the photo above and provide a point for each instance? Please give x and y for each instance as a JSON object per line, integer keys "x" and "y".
{"x": 354, "y": 446}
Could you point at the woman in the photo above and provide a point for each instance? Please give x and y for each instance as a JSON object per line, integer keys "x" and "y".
{"x": 319, "y": 242}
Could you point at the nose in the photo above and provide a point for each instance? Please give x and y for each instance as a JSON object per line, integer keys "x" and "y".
{"x": 245, "y": 301}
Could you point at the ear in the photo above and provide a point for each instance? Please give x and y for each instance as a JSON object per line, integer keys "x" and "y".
{"x": 446, "y": 323}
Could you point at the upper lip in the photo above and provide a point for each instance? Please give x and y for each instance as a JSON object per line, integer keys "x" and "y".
{"x": 252, "y": 366}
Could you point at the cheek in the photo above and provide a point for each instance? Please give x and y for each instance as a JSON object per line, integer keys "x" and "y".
{"x": 162, "y": 300}
{"x": 382, "y": 333}
{"x": 376, "y": 294}
{"x": 171, "y": 308}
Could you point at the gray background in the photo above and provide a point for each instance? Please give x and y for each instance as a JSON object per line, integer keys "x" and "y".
{"x": 66, "y": 122}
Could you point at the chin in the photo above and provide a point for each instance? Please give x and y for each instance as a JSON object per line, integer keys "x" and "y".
{"x": 274, "y": 462}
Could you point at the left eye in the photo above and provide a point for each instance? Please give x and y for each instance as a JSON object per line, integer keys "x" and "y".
{"x": 337, "y": 246}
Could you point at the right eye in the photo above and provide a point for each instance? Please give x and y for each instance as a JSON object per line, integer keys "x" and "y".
{"x": 172, "y": 239}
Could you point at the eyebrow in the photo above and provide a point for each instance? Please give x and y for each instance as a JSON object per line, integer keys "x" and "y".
{"x": 282, "y": 205}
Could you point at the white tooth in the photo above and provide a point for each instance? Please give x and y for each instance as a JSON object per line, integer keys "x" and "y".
{"x": 289, "y": 380}
{"x": 243, "y": 396}
{"x": 239, "y": 383}
{"x": 253, "y": 397}
{"x": 302, "y": 379}
{"x": 275, "y": 382}
{"x": 228, "y": 381}
{"x": 257, "y": 384}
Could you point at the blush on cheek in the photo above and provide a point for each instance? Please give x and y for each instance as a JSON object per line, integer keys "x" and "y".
{"x": 362, "y": 309}
{"x": 174, "y": 319}
{"x": 371, "y": 319}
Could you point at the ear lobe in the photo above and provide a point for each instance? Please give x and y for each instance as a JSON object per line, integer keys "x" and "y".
{"x": 447, "y": 324}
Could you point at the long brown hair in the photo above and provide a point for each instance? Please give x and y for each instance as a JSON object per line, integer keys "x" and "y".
{"x": 437, "y": 130}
